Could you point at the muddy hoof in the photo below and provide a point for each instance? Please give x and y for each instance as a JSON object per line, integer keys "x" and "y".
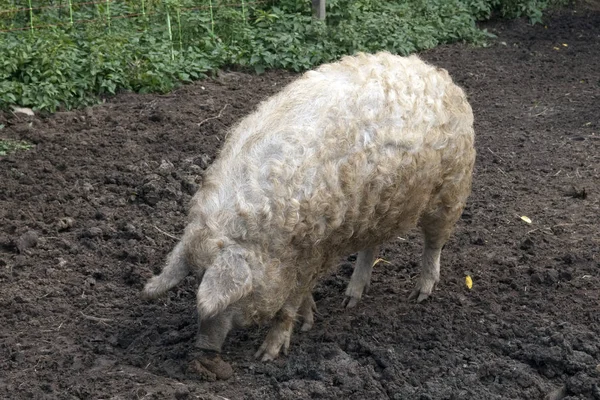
{"x": 212, "y": 367}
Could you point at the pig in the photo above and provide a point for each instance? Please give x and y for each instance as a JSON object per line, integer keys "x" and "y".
{"x": 342, "y": 160}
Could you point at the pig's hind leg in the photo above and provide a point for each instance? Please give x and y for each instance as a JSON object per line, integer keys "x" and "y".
{"x": 361, "y": 277}
{"x": 437, "y": 225}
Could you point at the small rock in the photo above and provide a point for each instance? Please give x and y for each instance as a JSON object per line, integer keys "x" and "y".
{"x": 88, "y": 187}
{"x": 565, "y": 275}
{"x": 65, "y": 223}
{"x": 150, "y": 190}
{"x": 195, "y": 169}
{"x": 526, "y": 244}
{"x": 477, "y": 240}
{"x": 576, "y": 193}
{"x": 129, "y": 231}
{"x": 581, "y": 384}
{"x": 171, "y": 192}
{"x": 557, "y": 394}
{"x": 156, "y": 117}
{"x": 23, "y": 110}
{"x": 101, "y": 214}
{"x": 189, "y": 185}
{"x": 581, "y": 357}
{"x": 27, "y": 240}
{"x": 166, "y": 167}
{"x": 182, "y": 393}
{"x": 92, "y": 232}
{"x": 551, "y": 276}
{"x": 567, "y": 259}
{"x": 95, "y": 231}
{"x": 536, "y": 278}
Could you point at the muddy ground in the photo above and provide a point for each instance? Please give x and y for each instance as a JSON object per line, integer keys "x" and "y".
{"x": 85, "y": 219}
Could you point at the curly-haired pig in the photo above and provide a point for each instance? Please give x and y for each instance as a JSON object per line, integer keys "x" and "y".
{"x": 343, "y": 159}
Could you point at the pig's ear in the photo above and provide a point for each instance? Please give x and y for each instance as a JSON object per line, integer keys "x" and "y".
{"x": 226, "y": 281}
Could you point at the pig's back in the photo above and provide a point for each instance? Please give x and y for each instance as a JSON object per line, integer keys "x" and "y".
{"x": 346, "y": 155}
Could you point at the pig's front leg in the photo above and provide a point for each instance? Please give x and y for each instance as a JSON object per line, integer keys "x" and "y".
{"x": 280, "y": 333}
{"x": 213, "y": 331}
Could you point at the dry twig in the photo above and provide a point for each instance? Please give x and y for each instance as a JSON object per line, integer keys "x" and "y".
{"x": 165, "y": 233}
{"x": 215, "y": 117}
{"x": 95, "y": 319}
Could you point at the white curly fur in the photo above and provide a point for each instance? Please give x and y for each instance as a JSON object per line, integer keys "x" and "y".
{"x": 343, "y": 159}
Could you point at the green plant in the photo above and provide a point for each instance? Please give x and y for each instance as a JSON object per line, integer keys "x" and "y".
{"x": 533, "y": 9}
{"x": 9, "y": 146}
{"x": 173, "y": 41}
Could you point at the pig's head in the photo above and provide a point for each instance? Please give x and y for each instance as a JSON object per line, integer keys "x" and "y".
{"x": 226, "y": 279}
{"x": 224, "y": 272}
{"x": 223, "y": 268}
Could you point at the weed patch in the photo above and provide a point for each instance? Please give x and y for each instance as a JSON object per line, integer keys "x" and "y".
{"x": 73, "y": 66}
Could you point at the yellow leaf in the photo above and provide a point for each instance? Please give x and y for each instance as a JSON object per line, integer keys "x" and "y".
{"x": 566, "y": 45}
{"x": 469, "y": 281}
{"x": 381, "y": 260}
{"x": 556, "y": 48}
{"x": 526, "y": 219}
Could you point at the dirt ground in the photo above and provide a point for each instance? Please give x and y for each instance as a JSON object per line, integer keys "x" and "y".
{"x": 86, "y": 218}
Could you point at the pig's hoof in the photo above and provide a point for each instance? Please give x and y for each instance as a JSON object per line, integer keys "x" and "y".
{"x": 307, "y": 326}
{"x": 422, "y": 290}
{"x": 276, "y": 339}
{"x": 265, "y": 354}
{"x": 268, "y": 351}
{"x": 418, "y": 296}
{"x": 196, "y": 368}
{"x": 217, "y": 366}
{"x": 307, "y": 313}
{"x": 350, "y": 301}
{"x": 208, "y": 365}
{"x": 354, "y": 293}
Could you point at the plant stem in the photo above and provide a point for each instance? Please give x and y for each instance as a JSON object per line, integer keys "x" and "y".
{"x": 144, "y": 20}
{"x": 244, "y": 11}
{"x": 170, "y": 32}
{"x": 108, "y": 13}
{"x": 71, "y": 12}
{"x": 179, "y": 26}
{"x": 30, "y": 17}
{"x": 212, "y": 20}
